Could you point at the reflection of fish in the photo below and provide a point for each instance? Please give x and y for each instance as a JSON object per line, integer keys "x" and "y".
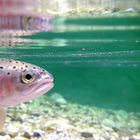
{"x": 14, "y": 26}
{"x": 23, "y": 15}
{"x": 19, "y": 18}
{"x": 20, "y": 82}
{"x": 15, "y": 22}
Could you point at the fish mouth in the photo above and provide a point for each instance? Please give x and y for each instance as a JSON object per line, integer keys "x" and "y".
{"x": 37, "y": 90}
{"x": 33, "y": 91}
{"x": 45, "y": 85}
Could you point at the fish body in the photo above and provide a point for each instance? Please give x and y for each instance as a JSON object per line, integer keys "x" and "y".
{"x": 20, "y": 82}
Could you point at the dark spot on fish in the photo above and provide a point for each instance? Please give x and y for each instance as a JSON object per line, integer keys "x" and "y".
{"x": 17, "y": 62}
{"x": 10, "y": 61}
{"x": 23, "y": 63}
{"x": 8, "y": 73}
{"x": 26, "y": 66}
{"x": 41, "y": 72}
{"x": 14, "y": 67}
{"x": 34, "y": 67}
{"x": 1, "y": 67}
{"x": 21, "y": 67}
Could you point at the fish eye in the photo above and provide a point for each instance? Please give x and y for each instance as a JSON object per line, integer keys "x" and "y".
{"x": 27, "y": 77}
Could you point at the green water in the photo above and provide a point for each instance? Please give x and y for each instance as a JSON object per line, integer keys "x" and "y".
{"x": 94, "y": 61}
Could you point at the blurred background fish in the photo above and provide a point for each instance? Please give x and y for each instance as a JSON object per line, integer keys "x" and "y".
{"x": 19, "y": 18}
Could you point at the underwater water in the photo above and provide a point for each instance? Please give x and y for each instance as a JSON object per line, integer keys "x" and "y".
{"x": 95, "y": 63}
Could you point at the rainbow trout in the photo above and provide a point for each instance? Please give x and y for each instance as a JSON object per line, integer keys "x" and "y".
{"x": 20, "y": 82}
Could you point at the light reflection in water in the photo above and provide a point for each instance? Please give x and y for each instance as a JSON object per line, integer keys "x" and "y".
{"x": 19, "y": 18}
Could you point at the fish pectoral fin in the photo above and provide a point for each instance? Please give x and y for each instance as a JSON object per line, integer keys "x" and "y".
{"x": 2, "y": 118}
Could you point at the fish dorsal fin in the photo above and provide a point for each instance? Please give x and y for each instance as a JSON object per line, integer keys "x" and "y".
{"x": 2, "y": 118}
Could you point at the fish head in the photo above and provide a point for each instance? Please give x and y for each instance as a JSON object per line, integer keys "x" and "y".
{"x": 25, "y": 82}
{"x": 32, "y": 81}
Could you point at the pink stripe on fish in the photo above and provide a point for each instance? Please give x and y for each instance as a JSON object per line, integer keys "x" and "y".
{"x": 6, "y": 87}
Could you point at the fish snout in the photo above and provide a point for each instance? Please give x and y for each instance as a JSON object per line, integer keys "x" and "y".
{"x": 47, "y": 76}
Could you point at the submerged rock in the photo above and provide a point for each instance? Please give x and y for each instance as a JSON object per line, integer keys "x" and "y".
{"x": 58, "y": 99}
{"x": 75, "y": 122}
{"x": 86, "y": 134}
{"x": 37, "y": 133}
{"x": 6, "y": 137}
{"x": 27, "y": 134}
{"x": 56, "y": 125}
{"x": 20, "y": 138}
